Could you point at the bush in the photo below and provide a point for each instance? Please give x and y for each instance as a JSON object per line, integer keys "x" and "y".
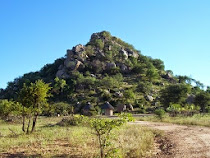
{"x": 160, "y": 113}
{"x": 73, "y": 120}
{"x": 9, "y": 107}
{"x": 60, "y": 108}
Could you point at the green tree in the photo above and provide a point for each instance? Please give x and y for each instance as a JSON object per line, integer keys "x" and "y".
{"x": 103, "y": 129}
{"x": 160, "y": 113}
{"x": 99, "y": 44}
{"x": 208, "y": 89}
{"x": 8, "y": 107}
{"x": 152, "y": 74}
{"x": 158, "y": 64}
{"x": 33, "y": 99}
{"x": 174, "y": 94}
{"x": 59, "y": 85}
{"x": 129, "y": 96}
{"x": 202, "y": 99}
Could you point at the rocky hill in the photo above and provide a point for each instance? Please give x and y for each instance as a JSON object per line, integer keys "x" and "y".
{"x": 108, "y": 69}
{"x": 102, "y": 54}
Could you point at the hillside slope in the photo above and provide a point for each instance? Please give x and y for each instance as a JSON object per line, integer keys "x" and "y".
{"x": 108, "y": 69}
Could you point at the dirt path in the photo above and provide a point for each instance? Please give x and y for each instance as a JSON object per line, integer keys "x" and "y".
{"x": 187, "y": 141}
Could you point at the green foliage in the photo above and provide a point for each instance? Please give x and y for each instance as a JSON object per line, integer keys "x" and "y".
{"x": 94, "y": 81}
{"x": 109, "y": 82}
{"x": 160, "y": 113}
{"x": 159, "y": 64}
{"x": 187, "y": 110}
{"x": 89, "y": 50}
{"x": 59, "y": 85}
{"x": 202, "y": 99}
{"x": 121, "y": 42}
{"x": 33, "y": 99}
{"x": 60, "y": 108}
{"x": 99, "y": 44}
{"x": 184, "y": 79}
{"x": 152, "y": 74}
{"x": 106, "y": 35}
{"x": 139, "y": 69}
{"x": 129, "y": 96}
{"x": 74, "y": 120}
{"x": 103, "y": 128}
{"x": 174, "y": 94}
{"x": 9, "y": 107}
{"x": 144, "y": 87}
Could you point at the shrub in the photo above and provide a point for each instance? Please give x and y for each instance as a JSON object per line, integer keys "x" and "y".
{"x": 73, "y": 120}
{"x": 9, "y": 107}
{"x": 103, "y": 129}
{"x": 160, "y": 113}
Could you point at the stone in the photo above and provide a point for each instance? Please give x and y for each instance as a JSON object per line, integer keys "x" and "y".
{"x": 78, "y": 48}
{"x": 123, "y": 68}
{"x": 78, "y": 63}
{"x": 119, "y": 94}
{"x": 121, "y": 107}
{"x": 110, "y": 65}
{"x": 124, "y": 53}
{"x": 190, "y": 99}
{"x": 129, "y": 107}
{"x": 62, "y": 74}
{"x": 60, "y": 67}
{"x": 132, "y": 53}
{"x": 149, "y": 98}
{"x": 97, "y": 64}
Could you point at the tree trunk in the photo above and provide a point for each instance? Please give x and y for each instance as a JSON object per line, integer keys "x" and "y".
{"x": 29, "y": 122}
{"x": 23, "y": 127}
{"x": 101, "y": 146}
{"x": 34, "y": 123}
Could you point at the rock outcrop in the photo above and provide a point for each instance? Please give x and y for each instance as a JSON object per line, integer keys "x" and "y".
{"x": 102, "y": 45}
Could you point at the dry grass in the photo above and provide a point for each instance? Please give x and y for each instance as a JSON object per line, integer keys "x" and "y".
{"x": 73, "y": 141}
{"x": 198, "y": 120}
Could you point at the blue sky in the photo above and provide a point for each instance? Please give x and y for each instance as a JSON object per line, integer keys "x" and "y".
{"x": 34, "y": 33}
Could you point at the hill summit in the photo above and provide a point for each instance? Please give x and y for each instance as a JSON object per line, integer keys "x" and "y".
{"x": 102, "y": 53}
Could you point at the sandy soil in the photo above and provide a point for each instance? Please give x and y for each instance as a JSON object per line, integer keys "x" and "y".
{"x": 183, "y": 141}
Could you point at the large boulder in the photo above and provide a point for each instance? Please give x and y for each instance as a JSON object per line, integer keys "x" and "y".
{"x": 110, "y": 65}
{"x": 121, "y": 107}
{"x": 119, "y": 94}
{"x": 123, "y": 68}
{"x": 132, "y": 53}
{"x": 78, "y": 48}
{"x": 70, "y": 64}
{"x": 149, "y": 98}
{"x": 97, "y": 64}
{"x": 62, "y": 74}
{"x": 124, "y": 53}
{"x": 190, "y": 99}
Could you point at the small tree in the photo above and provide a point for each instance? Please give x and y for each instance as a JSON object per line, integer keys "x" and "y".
{"x": 202, "y": 99}
{"x": 103, "y": 128}
{"x": 8, "y": 107}
{"x": 33, "y": 99}
{"x": 160, "y": 113}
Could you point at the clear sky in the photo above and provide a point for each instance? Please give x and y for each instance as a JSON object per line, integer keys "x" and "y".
{"x": 36, "y": 32}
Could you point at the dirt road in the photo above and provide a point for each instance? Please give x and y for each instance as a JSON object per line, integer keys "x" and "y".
{"x": 186, "y": 141}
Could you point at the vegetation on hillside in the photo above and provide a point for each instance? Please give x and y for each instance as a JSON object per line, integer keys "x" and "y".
{"x": 109, "y": 69}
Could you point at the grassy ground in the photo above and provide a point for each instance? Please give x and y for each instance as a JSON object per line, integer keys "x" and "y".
{"x": 198, "y": 119}
{"x": 72, "y": 141}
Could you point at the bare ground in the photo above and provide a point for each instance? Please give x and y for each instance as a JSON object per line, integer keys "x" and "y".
{"x": 182, "y": 141}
